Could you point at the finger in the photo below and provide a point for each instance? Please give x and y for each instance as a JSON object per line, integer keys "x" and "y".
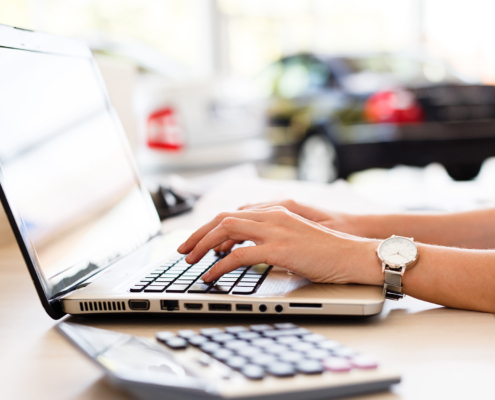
{"x": 193, "y": 240}
{"x": 229, "y": 228}
{"x": 227, "y": 245}
{"x": 250, "y": 255}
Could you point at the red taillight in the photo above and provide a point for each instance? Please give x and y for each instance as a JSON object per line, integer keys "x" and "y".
{"x": 398, "y": 107}
{"x": 164, "y": 131}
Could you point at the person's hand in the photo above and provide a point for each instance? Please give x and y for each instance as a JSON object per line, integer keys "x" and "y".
{"x": 333, "y": 220}
{"x": 286, "y": 240}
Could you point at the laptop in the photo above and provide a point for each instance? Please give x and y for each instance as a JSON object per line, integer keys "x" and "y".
{"x": 85, "y": 224}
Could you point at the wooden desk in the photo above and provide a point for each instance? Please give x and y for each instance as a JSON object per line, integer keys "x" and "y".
{"x": 441, "y": 353}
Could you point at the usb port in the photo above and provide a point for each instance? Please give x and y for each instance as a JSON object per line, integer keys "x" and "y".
{"x": 219, "y": 307}
{"x": 193, "y": 306}
{"x": 170, "y": 305}
{"x": 244, "y": 307}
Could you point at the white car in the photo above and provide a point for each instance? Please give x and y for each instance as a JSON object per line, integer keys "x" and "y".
{"x": 198, "y": 123}
{"x": 179, "y": 122}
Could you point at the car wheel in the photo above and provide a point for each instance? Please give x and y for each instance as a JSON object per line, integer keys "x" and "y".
{"x": 317, "y": 160}
{"x": 463, "y": 172}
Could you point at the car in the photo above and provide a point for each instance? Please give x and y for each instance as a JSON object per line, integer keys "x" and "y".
{"x": 338, "y": 114}
{"x": 177, "y": 121}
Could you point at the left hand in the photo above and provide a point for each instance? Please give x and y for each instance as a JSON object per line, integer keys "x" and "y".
{"x": 286, "y": 240}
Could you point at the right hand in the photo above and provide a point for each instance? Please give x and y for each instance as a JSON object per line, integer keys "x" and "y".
{"x": 333, "y": 220}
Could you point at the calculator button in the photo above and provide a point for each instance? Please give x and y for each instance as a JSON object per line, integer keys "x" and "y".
{"x": 235, "y": 329}
{"x": 285, "y": 325}
{"x": 197, "y": 340}
{"x": 222, "y": 337}
{"x": 210, "y": 347}
{"x": 336, "y": 364}
{"x": 236, "y": 344}
{"x": 291, "y": 356}
{"x": 301, "y": 346}
{"x": 329, "y": 345}
{"x": 314, "y": 338}
{"x": 260, "y": 328}
{"x": 236, "y": 362}
{"x": 222, "y": 354}
{"x": 288, "y": 339}
{"x": 176, "y": 343}
{"x": 263, "y": 342}
{"x": 317, "y": 354}
{"x": 248, "y": 351}
{"x": 164, "y": 335}
{"x": 248, "y": 335}
{"x": 263, "y": 359}
{"x": 186, "y": 333}
{"x": 210, "y": 331}
{"x": 253, "y": 371}
{"x": 281, "y": 369}
{"x": 363, "y": 362}
{"x": 344, "y": 352}
{"x": 309, "y": 367}
{"x": 276, "y": 349}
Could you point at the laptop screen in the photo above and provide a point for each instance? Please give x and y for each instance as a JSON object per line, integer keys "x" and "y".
{"x": 67, "y": 173}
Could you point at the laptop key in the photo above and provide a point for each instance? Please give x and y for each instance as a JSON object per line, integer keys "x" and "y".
{"x": 220, "y": 289}
{"x": 243, "y": 290}
{"x": 199, "y": 288}
{"x": 175, "y": 288}
{"x": 137, "y": 288}
{"x": 155, "y": 289}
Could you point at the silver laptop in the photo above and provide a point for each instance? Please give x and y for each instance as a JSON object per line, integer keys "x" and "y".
{"x": 86, "y": 226}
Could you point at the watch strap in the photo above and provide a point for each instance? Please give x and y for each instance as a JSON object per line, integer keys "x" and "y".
{"x": 393, "y": 283}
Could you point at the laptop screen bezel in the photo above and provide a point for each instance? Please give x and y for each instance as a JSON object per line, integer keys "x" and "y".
{"x": 25, "y": 40}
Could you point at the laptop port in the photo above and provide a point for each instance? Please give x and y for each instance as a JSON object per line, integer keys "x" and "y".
{"x": 169, "y": 305}
{"x": 193, "y": 306}
{"x": 219, "y": 307}
{"x": 244, "y": 307}
{"x": 305, "y": 305}
{"x": 279, "y": 308}
{"x": 263, "y": 308}
{"x": 139, "y": 304}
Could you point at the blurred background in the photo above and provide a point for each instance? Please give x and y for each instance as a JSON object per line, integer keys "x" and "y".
{"x": 394, "y": 96}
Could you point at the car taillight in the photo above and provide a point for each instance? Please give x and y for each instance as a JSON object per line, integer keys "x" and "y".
{"x": 164, "y": 131}
{"x": 397, "y": 107}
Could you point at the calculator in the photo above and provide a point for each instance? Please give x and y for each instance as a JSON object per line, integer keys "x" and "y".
{"x": 279, "y": 361}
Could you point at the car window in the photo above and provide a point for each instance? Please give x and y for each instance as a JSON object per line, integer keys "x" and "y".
{"x": 406, "y": 69}
{"x": 302, "y": 75}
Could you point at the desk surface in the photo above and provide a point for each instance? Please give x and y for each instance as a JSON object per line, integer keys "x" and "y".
{"x": 441, "y": 352}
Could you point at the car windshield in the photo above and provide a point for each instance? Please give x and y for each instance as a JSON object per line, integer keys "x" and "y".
{"x": 405, "y": 69}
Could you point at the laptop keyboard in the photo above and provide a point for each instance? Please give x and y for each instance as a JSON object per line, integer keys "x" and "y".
{"x": 177, "y": 276}
{"x": 279, "y": 350}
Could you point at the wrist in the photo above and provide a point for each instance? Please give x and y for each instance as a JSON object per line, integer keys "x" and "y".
{"x": 365, "y": 265}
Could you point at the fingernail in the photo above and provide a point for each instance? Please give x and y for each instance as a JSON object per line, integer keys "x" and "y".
{"x": 181, "y": 247}
{"x": 188, "y": 258}
{"x": 205, "y": 277}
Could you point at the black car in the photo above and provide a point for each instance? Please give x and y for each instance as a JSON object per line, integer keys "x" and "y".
{"x": 338, "y": 115}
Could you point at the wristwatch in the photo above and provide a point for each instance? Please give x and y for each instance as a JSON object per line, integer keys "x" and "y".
{"x": 397, "y": 253}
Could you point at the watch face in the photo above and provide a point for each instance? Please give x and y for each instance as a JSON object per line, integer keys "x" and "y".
{"x": 398, "y": 251}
